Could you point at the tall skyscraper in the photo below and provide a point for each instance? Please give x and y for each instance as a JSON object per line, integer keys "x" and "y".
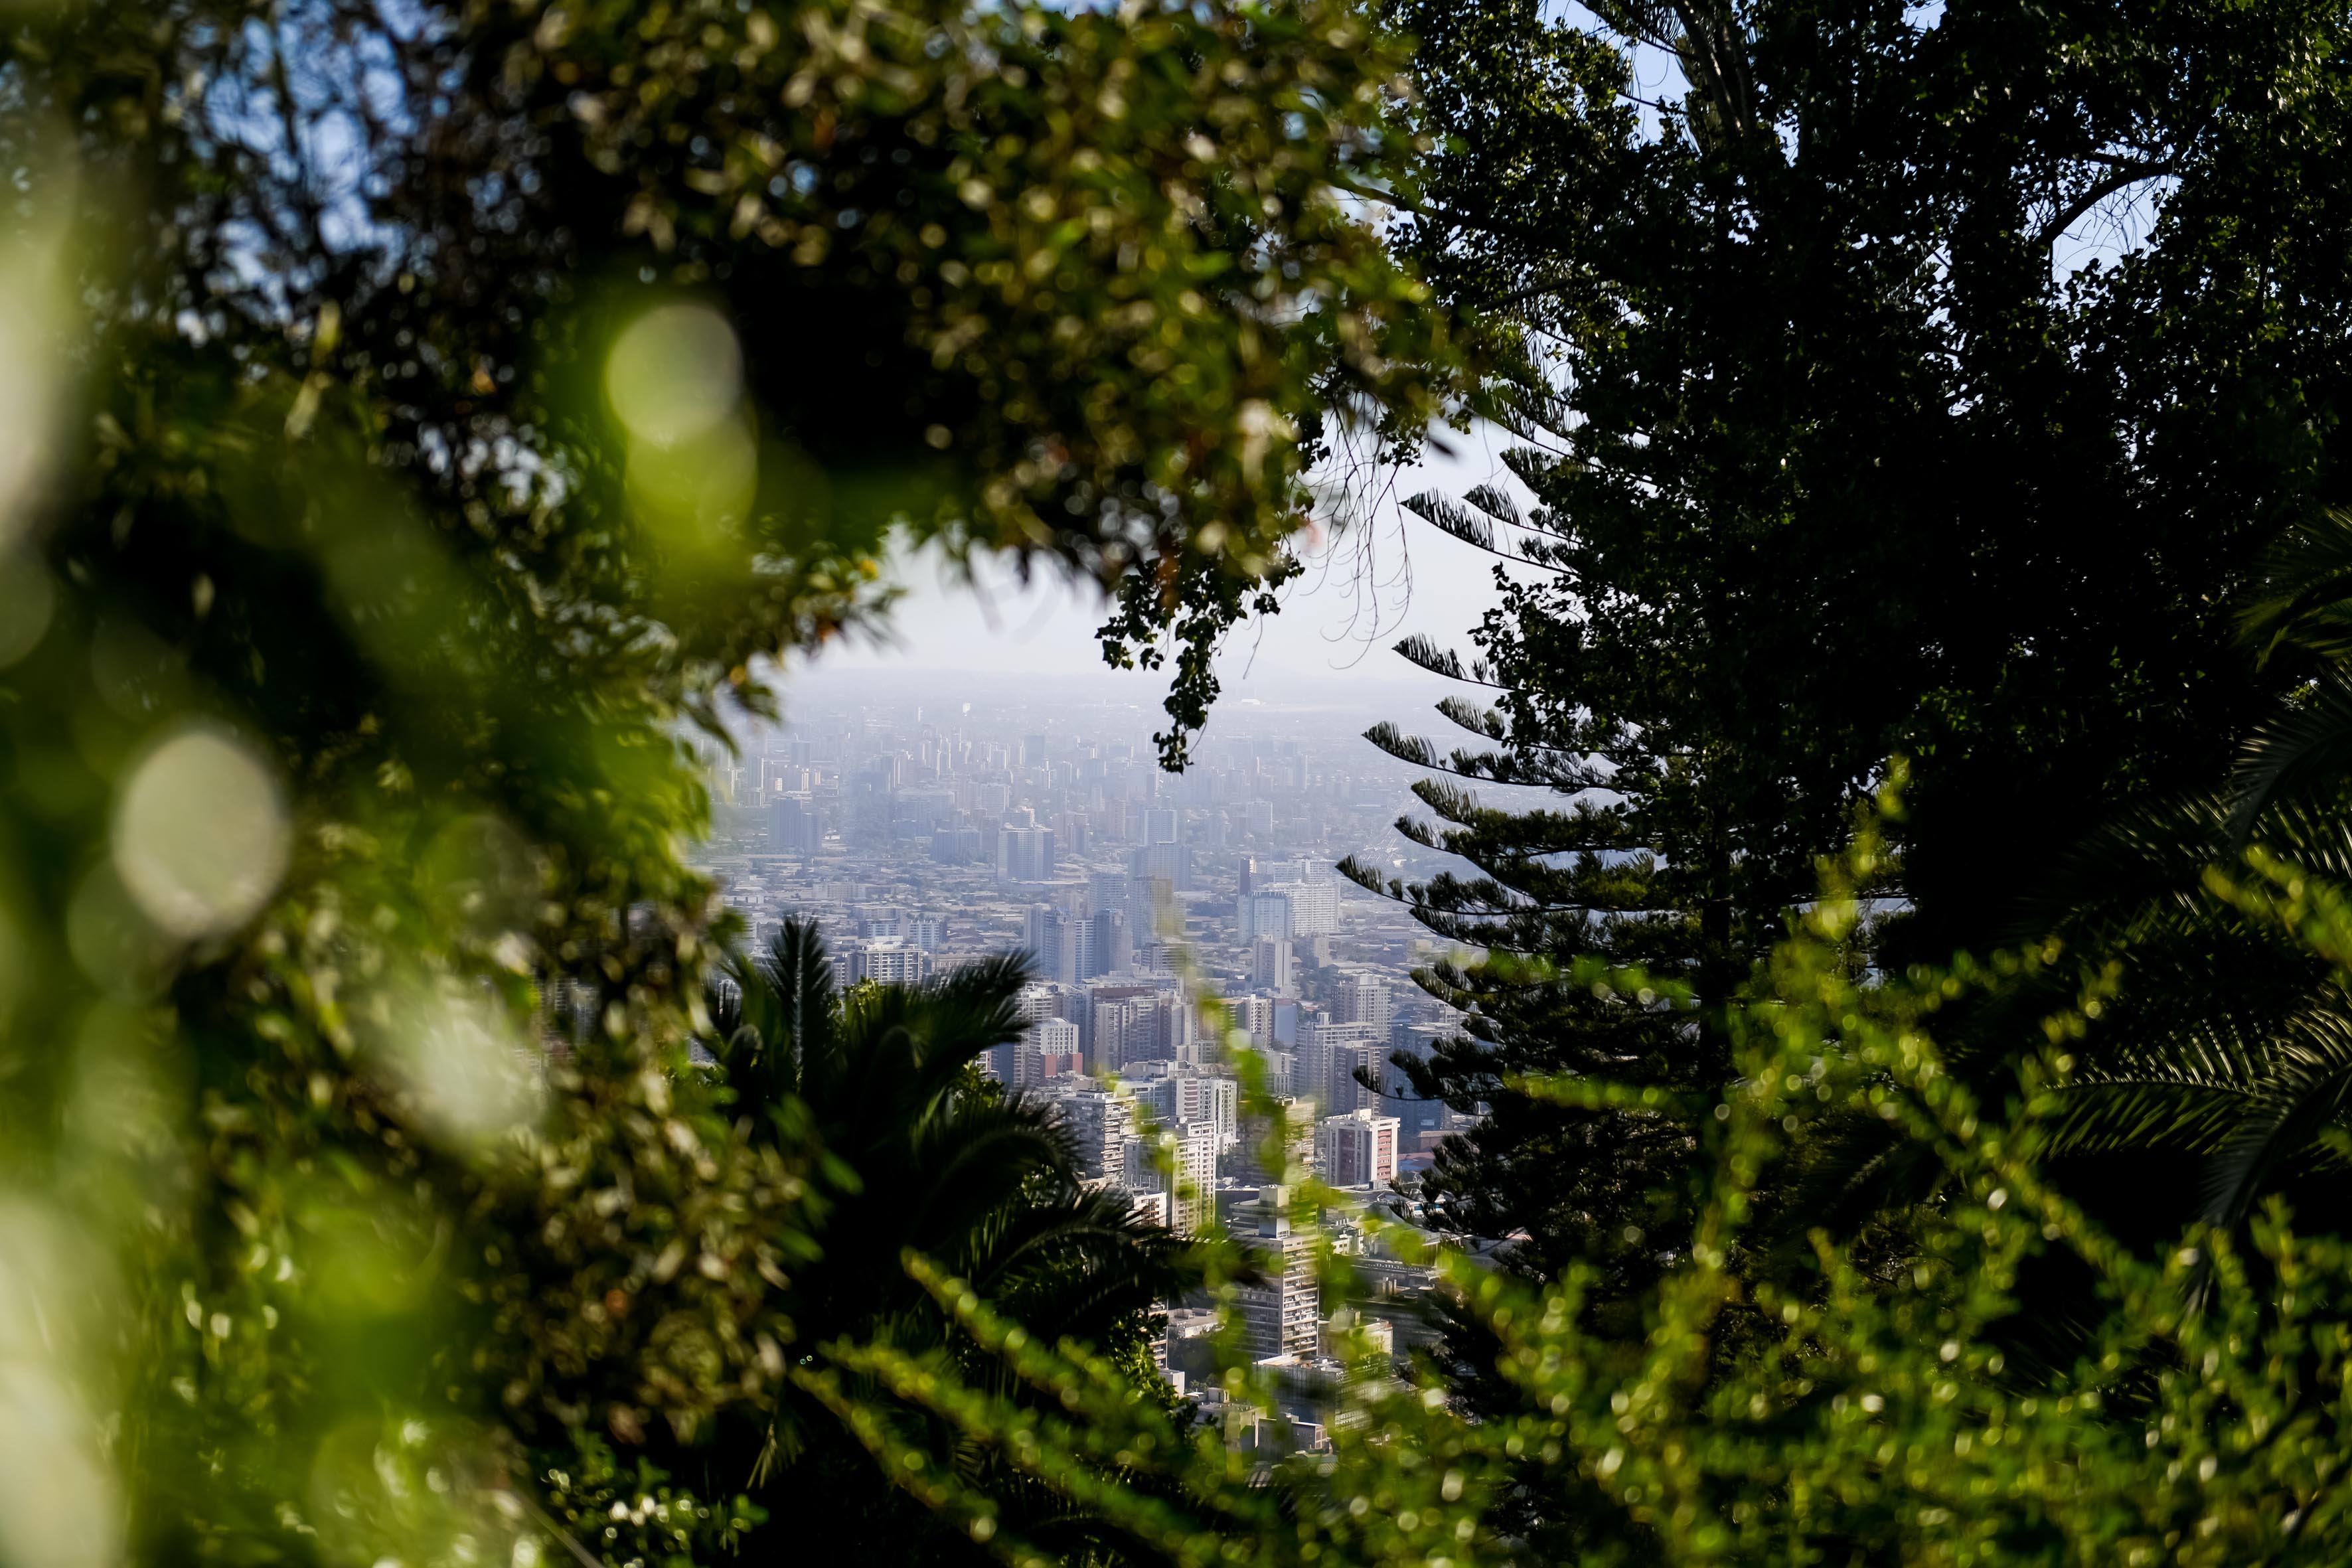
{"x": 1188, "y": 1094}
{"x": 1254, "y": 1015}
{"x": 1101, "y": 1125}
{"x": 1271, "y": 965}
{"x": 1282, "y": 1314}
{"x": 1107, "y": 890}
{"x": 1025, "y": 855}
{"x": 1365, "y": 998}
{"x": 1255, "y": 1158}
{"x": 1180, "y": 1159}
{"x": 1357, "y": 1150}
{"x": 1176, "y": 1034}
{"x": 1266, "y": 912}
{"x": 1169, "y": 863}
{"x": 1114, "y": 942}
{"x": 1329, "y": 1055}
{"x": 886, "y": 962}
{"x": 1047, "y": 1048}
{"x": 793, "y": 825}
{"x": 1119, "y": 1028}
{"x": 1051, "y": 944}
{"x": 1314, "y": 908}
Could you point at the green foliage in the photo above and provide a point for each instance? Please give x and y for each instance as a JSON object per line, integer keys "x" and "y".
{"x": 915, "y": 1154}
{"x": 1909, "y": 385}
{"x": 882, "y": 1082}
{"x": 418, "y": 420}
{"x": 637, "y": 1517}
{"x": 1868, "y": 1403}
{"x": 1066, "y": 284}
{"x": 2295, "y": 615}
{"x": 2217, "y": 1033}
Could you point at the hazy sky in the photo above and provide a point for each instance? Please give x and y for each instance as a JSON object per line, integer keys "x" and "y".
{"x": 1337, "y": 625}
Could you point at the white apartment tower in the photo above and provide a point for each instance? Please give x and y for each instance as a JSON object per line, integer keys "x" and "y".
{"x": 1314, "y": 908}
{"x": 1357, "y": 1150}
{"x": 1254, "y": 1015}
{"x": 1366, "y": 999}
{"x": 1271, "y": 962}
{"x": 1182, "y": 1161}
{"x": 1044, "y": 1048}
{"x": 1103, "y": 1125}
{"x": 1329, "y": 1056}
{"x": 1266, "y": 912}
{"x": 1282, "y": 1315}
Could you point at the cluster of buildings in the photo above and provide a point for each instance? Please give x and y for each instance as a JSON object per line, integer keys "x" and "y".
{"x": 1168, "y": 921}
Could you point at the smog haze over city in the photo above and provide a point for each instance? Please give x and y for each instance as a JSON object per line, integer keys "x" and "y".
{"x": 979, "y": 784}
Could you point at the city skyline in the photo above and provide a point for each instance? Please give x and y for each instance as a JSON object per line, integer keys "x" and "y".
{"x": 922, "y": 821}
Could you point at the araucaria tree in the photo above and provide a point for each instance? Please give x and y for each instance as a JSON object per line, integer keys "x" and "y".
{"x": 1895, "y": 382}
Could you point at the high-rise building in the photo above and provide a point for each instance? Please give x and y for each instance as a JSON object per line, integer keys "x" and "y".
{"x": 1107, "y": 890}
{"x": 1148, "y": 898}
{"x": 1357, "y": 1149}
{"x": 1281, "y": 1072}
{"x": 1272, "y": 965}
{"x": 1025, "y": 855}
{"x": 1086, "y": 954}
{"x": 1051, "y": 945}
{"x": 1188, "y": 1094}
{"x": 1142, "y": 1022}
{"x": 793, "y": 827}
{"x": 1169, "y": 863}
{"x": 1180, "y": 1159}
{"x": 1254, "y": 1015}
{"x": 1314, "y": 908}
{"x": 1129, "y": 1030}
{"x": 886, "y": 962}
{"x": 1247, "y": 1161}
{"x": 1176, "y": 1034}
{"x": 1039, "y": 999}
{"x": 1111, "y": 1024}
{"x": 1282, "y": 1315}
{"x": 1329, "y": 1053}
{"x": 1365, "y": 998}
{"x": 1114, "y": 942}
{"x": 1350, "y": 1063}
{"x": 1047, "y": 1048}
{"x": 1101, "y": 1125}
{"x": 1268, "y": 912}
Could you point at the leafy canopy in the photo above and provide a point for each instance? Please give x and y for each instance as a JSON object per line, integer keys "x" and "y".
{"x": 1892, "y": 384}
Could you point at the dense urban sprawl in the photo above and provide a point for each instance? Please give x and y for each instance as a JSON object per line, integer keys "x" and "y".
{"x": 921, "y": 823}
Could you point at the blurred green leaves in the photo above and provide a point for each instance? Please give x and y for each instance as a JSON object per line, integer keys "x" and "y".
{"x": 416, "y": 420}
{"x": 1871, "y": 1400}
